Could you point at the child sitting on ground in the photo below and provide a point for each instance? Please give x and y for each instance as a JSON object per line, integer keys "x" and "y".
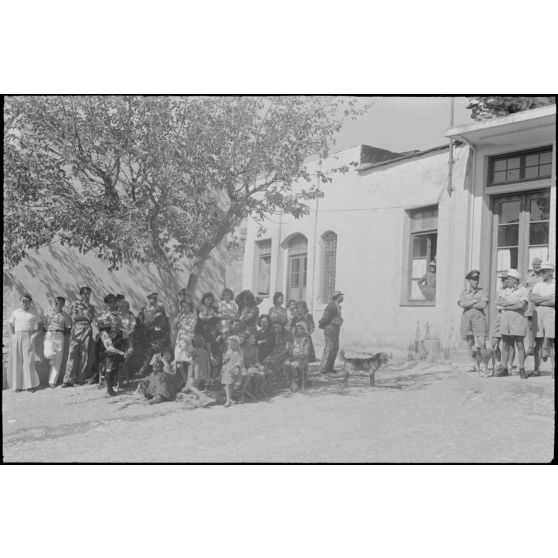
{"x": 159, "y": 386}
{"x": 232, "y": 368}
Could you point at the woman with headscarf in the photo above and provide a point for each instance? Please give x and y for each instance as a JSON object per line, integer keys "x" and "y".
{"x": 24, "y": 326}
{"x": 265, "y": 337}
{"x": 278, "y": 313}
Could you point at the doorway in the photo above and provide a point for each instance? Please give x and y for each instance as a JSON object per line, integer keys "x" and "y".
{"x": 520, "y": 233}
{"x": 297, "y": 267}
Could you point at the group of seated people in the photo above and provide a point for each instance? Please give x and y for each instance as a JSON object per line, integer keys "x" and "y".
{"x": 229, "y": 344}
{"x": 218, "y": 344}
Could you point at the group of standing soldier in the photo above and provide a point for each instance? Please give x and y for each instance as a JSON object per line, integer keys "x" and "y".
{"x": 523, "y": 311}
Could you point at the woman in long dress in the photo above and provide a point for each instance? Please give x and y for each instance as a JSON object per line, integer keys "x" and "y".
{"x": 24, "y": 325}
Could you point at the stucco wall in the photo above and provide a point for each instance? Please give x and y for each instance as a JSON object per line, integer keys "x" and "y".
{"x": 58, "y": 270}
{"x": 367, "y": 211}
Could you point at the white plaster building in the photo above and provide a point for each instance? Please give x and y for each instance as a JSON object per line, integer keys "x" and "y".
{"x": 376, "y": 227}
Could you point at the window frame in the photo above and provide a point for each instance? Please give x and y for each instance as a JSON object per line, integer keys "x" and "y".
{"x": 522, "y": 155}
{"x": 262, "y": 252}
{"x": 325, "y": 297}
{"x": 407, "y": 261}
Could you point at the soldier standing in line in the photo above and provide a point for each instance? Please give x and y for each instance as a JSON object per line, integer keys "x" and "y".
{"x": 474, "y": 329}
{"x": 56, "y": 323}
{"x": 110, "y": 333}
{"x": 81, "y": 337}
{"x": 532, "y": 279}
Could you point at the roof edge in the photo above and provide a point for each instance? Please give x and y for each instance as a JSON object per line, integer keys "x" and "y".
{"x": 412, "y": 155}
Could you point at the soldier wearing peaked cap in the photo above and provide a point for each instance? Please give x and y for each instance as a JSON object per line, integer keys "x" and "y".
{"x": 474, "y": 301}
{"x": 79, "y": 363}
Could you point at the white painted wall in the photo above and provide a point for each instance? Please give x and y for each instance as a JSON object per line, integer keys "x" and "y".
{"x": 367, "y": 211}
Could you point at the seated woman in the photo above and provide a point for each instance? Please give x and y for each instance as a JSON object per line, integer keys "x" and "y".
{"x": 296, "y": 364}
{"x": 303, "y": 315}
{"x": 276, "y": 358}
{"x": 265, "y": 337}
{"x": 159, "y": 386}
{"x": 253, "y": 371}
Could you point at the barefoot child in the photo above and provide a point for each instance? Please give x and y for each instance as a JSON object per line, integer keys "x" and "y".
{"x": 232, "y": 367}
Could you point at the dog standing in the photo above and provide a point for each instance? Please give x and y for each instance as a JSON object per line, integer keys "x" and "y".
{"x": 369, "y": 365}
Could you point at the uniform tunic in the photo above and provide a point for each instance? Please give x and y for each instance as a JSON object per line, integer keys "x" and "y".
{"x": 56, "y": 324}
{"x": 473, "y": 321}
{"x": 514, "y": 322}
{"x": 81, "y": 339}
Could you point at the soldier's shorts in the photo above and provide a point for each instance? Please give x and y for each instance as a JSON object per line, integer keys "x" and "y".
{"x": 496, "y": 327}
{"x": 513, "y": 323}
{"x": 543, "y": 321}
{"x": 473, "y": 322}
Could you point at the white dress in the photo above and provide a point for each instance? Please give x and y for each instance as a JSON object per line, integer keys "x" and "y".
{"x": 21, "y": 361}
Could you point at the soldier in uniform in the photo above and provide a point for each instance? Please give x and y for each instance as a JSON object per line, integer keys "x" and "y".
{"x": 113, "y": 343}
{"x": 474, "y": 329}
{"x": 56, "y": 323}
{"x": 81, "y": 337}
{"x": 153, "y": 330}
{"x": 532, "y": 279}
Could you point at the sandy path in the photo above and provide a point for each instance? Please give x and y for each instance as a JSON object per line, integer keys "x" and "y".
{"x": 432, "y": 414}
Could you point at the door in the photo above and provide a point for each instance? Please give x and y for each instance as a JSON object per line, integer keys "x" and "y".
{"x": 521, "y": 233}
{"x": 297, "y": 268}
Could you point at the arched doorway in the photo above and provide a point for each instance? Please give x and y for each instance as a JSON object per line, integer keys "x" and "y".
{"x": 297, "y": 267}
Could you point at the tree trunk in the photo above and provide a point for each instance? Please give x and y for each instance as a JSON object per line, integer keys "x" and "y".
{"x": 197, "y": 270}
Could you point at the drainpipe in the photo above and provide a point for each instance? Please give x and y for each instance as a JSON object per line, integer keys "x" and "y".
{"x": 278, "y": 252}
{"x": 314, "y": 248}
{"x": 450, "y": 161}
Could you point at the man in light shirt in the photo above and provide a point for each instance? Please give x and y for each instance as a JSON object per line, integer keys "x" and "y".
{"x": 513, "y": 322}
{"x": 532, "y": 279}
{"x": 543, "y": 297}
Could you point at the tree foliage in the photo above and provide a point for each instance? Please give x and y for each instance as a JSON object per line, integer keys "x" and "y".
{"x": 491, "y": 106}
{"x": 156, "y": 179}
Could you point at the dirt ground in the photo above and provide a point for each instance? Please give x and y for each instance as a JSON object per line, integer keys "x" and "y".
{"x": 416, "y": 413}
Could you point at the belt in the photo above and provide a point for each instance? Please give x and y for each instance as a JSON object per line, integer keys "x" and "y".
{"x": 55, "y": 331}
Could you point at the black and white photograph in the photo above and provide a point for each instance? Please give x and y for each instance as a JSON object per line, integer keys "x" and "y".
{"x": 279, "y": 279}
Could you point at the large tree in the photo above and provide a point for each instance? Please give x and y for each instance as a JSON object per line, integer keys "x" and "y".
{"x": 157, "y": 179}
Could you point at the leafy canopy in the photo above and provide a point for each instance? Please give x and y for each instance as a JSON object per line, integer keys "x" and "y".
{"x": 156, "y": 179}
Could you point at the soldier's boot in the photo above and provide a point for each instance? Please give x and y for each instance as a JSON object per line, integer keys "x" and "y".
{"x": 109, "y": 378}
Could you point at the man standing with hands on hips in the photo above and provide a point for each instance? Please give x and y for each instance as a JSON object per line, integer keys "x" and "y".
{"x": 331, "y": 324}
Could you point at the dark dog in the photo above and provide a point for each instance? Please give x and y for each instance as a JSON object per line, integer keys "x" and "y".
{"x": 369, "y": 365}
